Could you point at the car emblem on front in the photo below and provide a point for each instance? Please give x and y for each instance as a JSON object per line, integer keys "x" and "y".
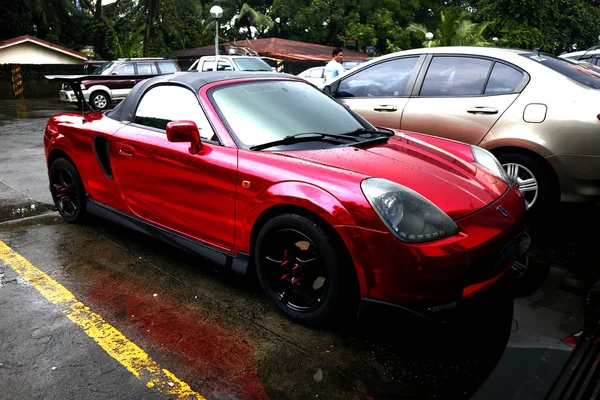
{"x": 503, "y": 211}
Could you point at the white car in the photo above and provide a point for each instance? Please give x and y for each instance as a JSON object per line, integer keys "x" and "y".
{"x": 231, "y": 63}
{"x": 314, "y": 75}
{"x": 591, "y": 55}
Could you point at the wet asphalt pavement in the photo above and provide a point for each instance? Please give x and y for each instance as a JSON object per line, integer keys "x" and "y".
{"x": 217, "y": 332}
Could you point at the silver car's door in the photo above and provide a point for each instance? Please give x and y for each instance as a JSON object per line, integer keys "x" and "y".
{"x": 462, "y": 97}
{"x": 380, "y": 91}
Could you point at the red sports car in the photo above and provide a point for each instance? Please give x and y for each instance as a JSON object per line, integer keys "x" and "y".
{"x": 266, "y": 172}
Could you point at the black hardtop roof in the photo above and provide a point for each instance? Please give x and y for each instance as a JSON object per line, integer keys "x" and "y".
{"x": 125, "y": 110}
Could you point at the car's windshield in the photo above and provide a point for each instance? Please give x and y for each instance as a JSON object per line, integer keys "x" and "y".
{"x": 578, "y": 73}
{"x": 103, "y": 68}
{"x": 251, "y": 64}
{"x": 265, "y": 111}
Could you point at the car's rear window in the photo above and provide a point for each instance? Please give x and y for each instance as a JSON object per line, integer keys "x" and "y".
{"x": 585, "y": 76}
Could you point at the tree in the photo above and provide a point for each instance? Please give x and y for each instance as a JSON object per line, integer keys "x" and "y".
{"x": 455, "y": 30}
{"x": 552, "y": 25}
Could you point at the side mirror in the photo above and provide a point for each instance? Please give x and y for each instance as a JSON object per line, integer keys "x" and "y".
{"x": 327, "y": 89}
{"x": 185, "y": 131}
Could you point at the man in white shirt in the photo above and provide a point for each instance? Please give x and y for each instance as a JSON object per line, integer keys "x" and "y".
{"x": 334, "y": 67}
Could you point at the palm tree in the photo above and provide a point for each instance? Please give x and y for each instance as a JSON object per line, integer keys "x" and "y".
{"x": 244, "y": 16}
{"x": 455, "y": 30}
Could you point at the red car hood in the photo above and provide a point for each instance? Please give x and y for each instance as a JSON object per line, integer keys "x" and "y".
{"x": 456, "y": 186}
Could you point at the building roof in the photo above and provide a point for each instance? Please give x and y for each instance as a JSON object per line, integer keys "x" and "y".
{"x": 282, "y": 49}
{"x": 27, "y": 38}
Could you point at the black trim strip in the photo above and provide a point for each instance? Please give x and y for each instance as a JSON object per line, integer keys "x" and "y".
{"x": 236, "y": 262}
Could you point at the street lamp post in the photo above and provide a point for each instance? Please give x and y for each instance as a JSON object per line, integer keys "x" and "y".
{"x": 216, "y": 12}
{"x": 429, "y": 36}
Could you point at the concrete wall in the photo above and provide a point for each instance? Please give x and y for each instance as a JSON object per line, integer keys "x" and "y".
{"x": 27, "y": 81}
{"x": 31, "y": 53}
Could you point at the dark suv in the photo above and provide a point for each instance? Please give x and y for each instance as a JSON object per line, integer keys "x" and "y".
{"x": 99, "y": 93}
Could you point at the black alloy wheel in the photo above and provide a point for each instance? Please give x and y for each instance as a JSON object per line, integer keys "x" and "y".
{"x": 67, "y": 191}
{"x": 298, "y": 266}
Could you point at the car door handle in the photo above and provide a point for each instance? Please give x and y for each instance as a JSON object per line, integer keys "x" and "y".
{"x": 482, "y": 110}
{"x": 384, "y": 108}
{"x": 126, "y": 150}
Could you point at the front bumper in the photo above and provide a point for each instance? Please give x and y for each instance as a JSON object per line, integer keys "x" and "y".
{"x": 489, "y": 292}
{"x": 439, "y": 273}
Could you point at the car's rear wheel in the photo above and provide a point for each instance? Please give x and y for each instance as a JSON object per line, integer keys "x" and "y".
{"x": 530, "y": 179}
{"x": 299, "y": 266}
{"x": 67, "y": 191}
{"x": 99, "y": 100}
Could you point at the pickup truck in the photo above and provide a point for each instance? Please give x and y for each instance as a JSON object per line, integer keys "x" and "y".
{"x": 231, "y": 63}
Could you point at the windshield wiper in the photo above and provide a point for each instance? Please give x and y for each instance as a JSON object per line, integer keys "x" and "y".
{"x": 360, "y": 131}
{"x": 382, "y": 136}
{"x": 303, "y": 137}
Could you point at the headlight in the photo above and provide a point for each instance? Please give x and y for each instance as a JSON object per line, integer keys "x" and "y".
{"x": 408, "y": 215}
{"x": 82, "y": 86}
{"x": 489, "y": 161}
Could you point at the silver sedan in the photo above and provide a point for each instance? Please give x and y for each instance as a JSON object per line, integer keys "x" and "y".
{"x": 538, "y": 114}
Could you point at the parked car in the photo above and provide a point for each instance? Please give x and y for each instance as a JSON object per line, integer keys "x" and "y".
{"x": 230, "y": 63}
{"x": 591, "y": 55}
{"x": 536, "y": 113}
{"x": 100, "y": 93}
{"x": 314, "y": 75}
{"x": 349, "y": 64}
{"x": 265, "y": 171}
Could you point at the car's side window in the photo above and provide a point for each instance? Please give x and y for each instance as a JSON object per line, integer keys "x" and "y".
{"x": 208, "y": 65}
{"x": 386, "y": 79}
{"x": 504, "y": 79}
{"x": 166, "y": 67}
{"x": 316, "y": 73}
{"x": 224, "y": 66}
{"x": 125, "y": 69}
{"x": 147, "y": 69}
{"x": 165, "y": 103}
{"x": 456, "y": 76}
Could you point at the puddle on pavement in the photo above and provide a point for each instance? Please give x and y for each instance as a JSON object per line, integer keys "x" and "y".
{"x": 10, "y": 212}
{"x": 32, "y": 108}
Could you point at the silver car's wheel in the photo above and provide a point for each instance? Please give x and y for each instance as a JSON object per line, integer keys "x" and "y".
{"x": 99, "y": 100}
{"x": 525, "y": 180}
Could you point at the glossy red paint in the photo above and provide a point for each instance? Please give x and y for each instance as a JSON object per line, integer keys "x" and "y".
{"x": 202, "y": 196}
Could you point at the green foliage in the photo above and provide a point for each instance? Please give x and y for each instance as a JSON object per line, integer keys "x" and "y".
{"x": 456, "y": 29}
{"x": 160, "y": 27}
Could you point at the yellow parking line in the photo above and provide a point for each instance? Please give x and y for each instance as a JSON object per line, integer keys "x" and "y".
{"x": 108, "y": 337}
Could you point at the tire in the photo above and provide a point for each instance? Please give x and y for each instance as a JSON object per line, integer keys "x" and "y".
{"x": 67, "y": 191}
{"x": 99, "y": 100}
{"x": 301, "y": 269}
{"x": 532, "y": 180}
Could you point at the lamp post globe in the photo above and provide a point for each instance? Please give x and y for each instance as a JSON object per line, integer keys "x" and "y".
{"x": 216, "y": 12}
{"x": 429, "y": 36}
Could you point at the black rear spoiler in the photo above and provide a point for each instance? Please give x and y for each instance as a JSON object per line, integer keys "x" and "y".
{"x": 75, "y": 82}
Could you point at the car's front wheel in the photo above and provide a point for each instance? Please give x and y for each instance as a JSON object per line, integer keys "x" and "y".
{"x": 99, "y": 100}
{"x": 300, "y": 268}
{"x": 67, "y": 191}
{"x": 530, "y": 179}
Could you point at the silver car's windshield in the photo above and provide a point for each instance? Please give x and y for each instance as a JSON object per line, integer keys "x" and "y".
{"x": 586, "y": 76}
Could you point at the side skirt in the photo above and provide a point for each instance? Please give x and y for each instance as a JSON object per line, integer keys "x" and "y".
{"x": 238, "y": 263}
